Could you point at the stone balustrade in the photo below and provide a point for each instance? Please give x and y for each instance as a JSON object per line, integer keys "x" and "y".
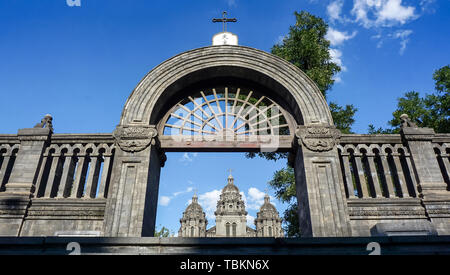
{"x": 441, "y": 146}
{"x": 75, "y": 170}
{"x": 67, "y": 190}
{"x": 375, "y": 168}
{"x": 9, "y": 146}
{"x": 380, "y": 179}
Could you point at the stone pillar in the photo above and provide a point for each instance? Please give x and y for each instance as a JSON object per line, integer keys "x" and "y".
{"x": 21, "y": 184}
{"x": 320, "y": 191}
{"x": 132, "y": 202}
{"x": 431, "y": 185}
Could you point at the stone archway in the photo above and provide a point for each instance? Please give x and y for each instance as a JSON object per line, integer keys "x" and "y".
{"x": 131, "y": 207}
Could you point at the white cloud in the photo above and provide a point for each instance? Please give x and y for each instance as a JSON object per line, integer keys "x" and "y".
{"x": 334, "y": 10}
{"x": 336, "y": 57}
{"x": 208, "y": 201}
{"x": 250, "y": 220}
{"x": 164, "y": 200}
{"x": 256, "y": 198}
{"x": 189, "y": 189}
{"x": 403, "y": 36}
{"x": 337, "y": 37}
{"x": 393, "y": 12}
{"x": 188, "y": 157}
{"x": 382, "y": 13}
{"x": 426, "y": 6}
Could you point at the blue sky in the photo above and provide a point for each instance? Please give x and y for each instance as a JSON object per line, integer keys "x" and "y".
{"x": 81, "y": 63}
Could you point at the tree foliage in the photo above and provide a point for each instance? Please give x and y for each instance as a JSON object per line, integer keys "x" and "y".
{"x": 432, "y": 110}
{"x": 343, "y": 117}
{"x": 307, "y": 48}
{"x": 163, "y": 232}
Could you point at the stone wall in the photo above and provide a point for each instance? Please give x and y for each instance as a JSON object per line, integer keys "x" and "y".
{"x": 59, "y": 184}
{"x": 54, "y": 184}
{"x": 400, "y": 245}
{"x": 386, "y": 185}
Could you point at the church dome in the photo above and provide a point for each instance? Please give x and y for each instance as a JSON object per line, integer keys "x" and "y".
{"x": 194, "y": 210}
{"x": 194, "y": 207}
{"x": 230, "y": 188}
{"x": 267, "y": 210}
{"x": 230, "y": 201}
{"x": 267, "y": 206}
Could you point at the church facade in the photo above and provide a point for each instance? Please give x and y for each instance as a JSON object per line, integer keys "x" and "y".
{"x": 231, "y": 217}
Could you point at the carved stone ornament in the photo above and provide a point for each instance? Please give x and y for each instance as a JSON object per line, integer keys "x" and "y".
{"x": 134, "y": 138}
{"x": 318, "y": 138}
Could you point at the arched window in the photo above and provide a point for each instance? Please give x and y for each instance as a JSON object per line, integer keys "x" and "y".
{"x": 192, "y": 231}
{"x": 219, "y": 110}
{"x": 227, "y": 227}
{"x": 234, "y": 229}
{"x": 270, "y": 231}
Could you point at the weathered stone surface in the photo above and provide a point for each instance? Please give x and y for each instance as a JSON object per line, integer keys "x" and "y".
{"x": 135, "y": 138}
{"x": 402, "y": 228}
{"x": 396, "y": 245}
{"x": 317, "y": 137}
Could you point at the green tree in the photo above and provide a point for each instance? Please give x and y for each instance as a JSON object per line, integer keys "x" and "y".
{"x": 163, "y": 232}
{"x": 307, "y": 48}
{"x": 343, "y": 117}
{"x": 284, "y": 183}
{"x": 431, "y": 111}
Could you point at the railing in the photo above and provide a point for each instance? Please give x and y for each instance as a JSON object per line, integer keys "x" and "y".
{"x": 441, "y": 145}
{"x": 376, "y": 166}
{"x": 76, "y": 166}
{"x": 9, "y": 146}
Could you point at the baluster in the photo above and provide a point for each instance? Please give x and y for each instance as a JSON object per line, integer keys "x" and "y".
{"x": 92, "y": 180}
{"x": 444, "y": 157}
{"x": 387, "y": 175}
{"x": 348, "y": 175}
{"x": 40, "y": 175}
{"x": 411, "y": 172}
{"x": 400, "y": 175}
{"x": 51, "y": 176}
{"x": 79, "y": 178}
{"x": 66, "y": 177}
{"x": 361, "y": 176}
{"x": 3, "y": 168}
{"x": 102, "y": 189}
{"x": 374, "y": 175}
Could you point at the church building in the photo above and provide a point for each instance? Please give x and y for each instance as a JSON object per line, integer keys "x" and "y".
{"x": 231, "y": 217}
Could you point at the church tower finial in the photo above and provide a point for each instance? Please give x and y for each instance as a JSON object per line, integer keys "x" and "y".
{"x": 195, "y": 197}
{"x": 266, "y": 196}
{"x": 230, "y": 177}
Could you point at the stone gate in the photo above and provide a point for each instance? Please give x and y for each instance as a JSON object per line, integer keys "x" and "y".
{"x": 216, "y": 99}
